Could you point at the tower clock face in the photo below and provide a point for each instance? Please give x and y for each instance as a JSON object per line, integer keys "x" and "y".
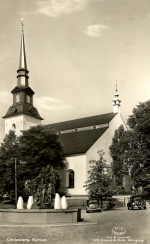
{"x": 13, "y": 110}
{"x": 33, "y": 111}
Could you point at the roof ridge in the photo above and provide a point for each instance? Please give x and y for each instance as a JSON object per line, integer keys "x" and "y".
{"x": 94, "y": 116}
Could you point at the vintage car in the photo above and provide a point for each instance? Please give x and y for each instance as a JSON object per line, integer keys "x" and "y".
{"x": 136, "y": 202}
{"x": 93, "y": 205}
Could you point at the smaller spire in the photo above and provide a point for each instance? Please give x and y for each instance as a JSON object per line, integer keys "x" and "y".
{"x": 116, "y": 85}
{"x": 116, "y": 102}
{"x": 116, "y": 94}
{"x": 22, "y": 24}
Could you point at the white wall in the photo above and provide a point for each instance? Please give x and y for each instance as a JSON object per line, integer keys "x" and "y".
{"x": 30, "y": 121}
{"x": 78, "y": 165}
{"x": 104, "y": 142}
{"x": 17, "y": 120}
{"x": 22, "y": 122}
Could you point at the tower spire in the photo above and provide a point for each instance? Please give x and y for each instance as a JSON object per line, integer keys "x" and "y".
{"x": 21, "y": 115}
{"x": 116, "y": 102}
{"x": 22, "y": 70}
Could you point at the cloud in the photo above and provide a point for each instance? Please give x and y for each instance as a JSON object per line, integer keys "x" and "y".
{"x": 5, "y": 97}
{"x": 50, "y": 103}
{"x": 55, "y": 8}
{"x": 96, "y": 30}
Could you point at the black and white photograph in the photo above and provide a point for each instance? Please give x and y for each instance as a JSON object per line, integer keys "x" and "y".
{"x": 75, "y": 121}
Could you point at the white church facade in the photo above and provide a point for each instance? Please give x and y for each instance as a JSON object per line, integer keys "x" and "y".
{"x": 81, "y": 138}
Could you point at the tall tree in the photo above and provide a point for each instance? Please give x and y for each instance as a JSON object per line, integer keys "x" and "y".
{"x": 40, "y": 161}
{"x": 42, "y": 157}
{"x": 116, "y": 152}
{"x": 131, "y": 149}
{"x": 139, "y": 153}
{"x": 8, "y": 153}
{"x": 100, "y": 181}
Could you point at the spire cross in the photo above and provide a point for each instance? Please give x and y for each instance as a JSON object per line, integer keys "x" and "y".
{"x": 22, "y": 24}
{"x": 116, "y": 85}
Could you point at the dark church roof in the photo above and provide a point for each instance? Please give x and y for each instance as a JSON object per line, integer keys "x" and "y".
{"x": 78, "y": 135}
{"x": 80, "y": 142}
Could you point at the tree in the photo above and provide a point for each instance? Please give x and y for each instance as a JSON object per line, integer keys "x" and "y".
{"x": 45, "y": 185}
{"x": 100, "y": 181}
{"x": 130, "y": 149}
{"x": 116, "y": 151}
{"x": 140, "y": 119}
{"x": 40, "y": 161}
{"x": 8, "y": 153}
{"x": 42, "y": 157}
{"x": 139, "y": 153}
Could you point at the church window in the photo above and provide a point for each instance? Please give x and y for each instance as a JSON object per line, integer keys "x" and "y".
{"x": 70, "y": 178}
{"x": 17, "y": 98}
{"x": 28, "y": 99}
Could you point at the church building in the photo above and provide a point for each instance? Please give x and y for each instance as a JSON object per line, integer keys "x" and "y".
{"x": 81, "y": 138}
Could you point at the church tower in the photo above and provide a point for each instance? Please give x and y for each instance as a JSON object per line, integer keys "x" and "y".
{"x": 22, "y": 114}
{"x": 116, "y": 102}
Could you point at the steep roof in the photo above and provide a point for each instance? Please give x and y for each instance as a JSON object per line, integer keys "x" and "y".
{"x": 80, "y": 142}
{"x": 78, "y": 135}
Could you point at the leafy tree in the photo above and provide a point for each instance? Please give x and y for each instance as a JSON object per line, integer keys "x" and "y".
{"x": 40, "y": 161}
{"x": 100, "y": 181}
{"x": 42, "y": 157}
{"x": 140, "y": 119}
{"x": 45, "y": 185}
{"x": 130, "y": 149}
{"x": 8, "y": 153}
{"x": 139, "y": 153}
{"x": 116, "y": 151}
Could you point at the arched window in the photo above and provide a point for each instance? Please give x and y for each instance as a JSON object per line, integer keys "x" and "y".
{"x": 17, "y": 98}
{"x": 70, "y": 178}
{"x": 28, "y": 99}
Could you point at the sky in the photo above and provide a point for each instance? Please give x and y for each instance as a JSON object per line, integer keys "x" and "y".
{"x": 75, "y": 50}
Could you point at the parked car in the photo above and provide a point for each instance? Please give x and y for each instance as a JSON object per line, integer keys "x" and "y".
{"x": 136, "y": 202}
{"x": 93, "y": 205}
